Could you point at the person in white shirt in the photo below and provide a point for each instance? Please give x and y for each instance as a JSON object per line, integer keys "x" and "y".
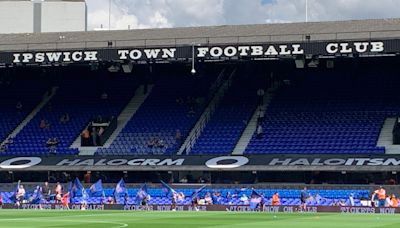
{"x": 351, "y": 199}
{"x": 20, "y": 194}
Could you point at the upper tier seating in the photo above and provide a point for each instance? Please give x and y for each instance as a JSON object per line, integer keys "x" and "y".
{"x": 329, "y": 113}
{"x": 28, "y": 92}
{"x": 164, "y": 111}
{"x": 227, "y": 123}
{"x": 81, "y": 100}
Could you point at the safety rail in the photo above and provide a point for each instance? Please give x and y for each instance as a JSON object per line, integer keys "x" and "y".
{"x": 205, "y": 117}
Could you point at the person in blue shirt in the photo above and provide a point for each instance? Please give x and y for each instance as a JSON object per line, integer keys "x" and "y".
{"x": 303, "y": 199}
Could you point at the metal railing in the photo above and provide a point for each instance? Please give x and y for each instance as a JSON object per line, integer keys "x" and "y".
{"x": 205, "y": 117}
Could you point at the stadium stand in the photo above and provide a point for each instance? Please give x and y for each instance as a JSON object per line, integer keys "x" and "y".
{"x": 230, "y": 118}
{"x": 72, "y": 95}
{"x": 26, "y": 92}
{"x": 152, "y": 129}
{"x": 329, "y": 112}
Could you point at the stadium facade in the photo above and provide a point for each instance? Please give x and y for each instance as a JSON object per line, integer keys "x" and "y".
{"x": 300, "y": 102}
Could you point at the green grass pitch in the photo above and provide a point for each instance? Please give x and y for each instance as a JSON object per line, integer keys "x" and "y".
{"x": 116, "y": 219}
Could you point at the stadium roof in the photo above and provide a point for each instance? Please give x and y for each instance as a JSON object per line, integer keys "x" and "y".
{"x": 232, "y": 34}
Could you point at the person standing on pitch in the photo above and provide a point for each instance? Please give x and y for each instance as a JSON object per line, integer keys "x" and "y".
{"x": 65, "y": 200}
{"x": 195, "y": 203}
{"x": 303, "y": 199}
{"x": 381, "y": 193}
{"x": 275, "y": 199}
{"x": 173, "y": 201}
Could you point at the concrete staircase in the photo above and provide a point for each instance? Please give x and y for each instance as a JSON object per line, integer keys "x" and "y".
{"x": 386, "y": 139}
{"x": 205, "y": 116}
{"x": 252, "y": 124}
{"x": 31, "y": 115}
{"x": 126, "y": 114}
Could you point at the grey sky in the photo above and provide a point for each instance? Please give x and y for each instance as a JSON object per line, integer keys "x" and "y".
{"x": 178, "y": 13}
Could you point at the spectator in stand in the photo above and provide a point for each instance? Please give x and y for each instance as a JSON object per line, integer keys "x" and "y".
{"x": 392, "y": 181}
{"x": 260, "y": 94}
{"x": 3, "y": 148}
{"x": 178, "y": 135}
{"x": 394, "y": 202}
{"x": 52, "y": 145}
{"x": 191, "y": 112}
{"x": 160, "y": 143}
{"x": 260, "y": 114}
{"x": 201, "y": 180}
{"x": 151, "y": 143}
{"x": 183, "y": 180}
{"x": 18, "y": 106}
{"x": 94, "y": 136}
{"x": 104, "y": 96}
{"x": 44, "y": 124}
{"x": 276, "y": 201}
{"x": 101, "y": 131}
{"x": 64, "y": 118}
{"x": 381, "y": 194}
{"x": 87, "y": 177}
{"x": 86, "y": 137}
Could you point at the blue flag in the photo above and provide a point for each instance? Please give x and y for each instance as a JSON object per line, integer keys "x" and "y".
{"x": 74, "y": 187}
{"x": 14, "y": 197}
{"x": 120, "y": 187}
{"x": 255, "y": 199}
{"x": 195, "y": 194}
{"x": 17, "y": 187}
{"x": 85, "y": 196}
{"x": 77, "y": 184}
{"x": 37, "y": 195}
{"x": 141, "y": 194}
{"x": 166, "y": 188}
{"x": 216, "y": 199}
{"x": 96, "y": 187}
{"x": 103, "y": 197}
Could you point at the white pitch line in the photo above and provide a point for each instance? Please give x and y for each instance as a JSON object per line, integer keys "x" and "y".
{"x": 51, "y": 219}
{"x": 64, "y": 216}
